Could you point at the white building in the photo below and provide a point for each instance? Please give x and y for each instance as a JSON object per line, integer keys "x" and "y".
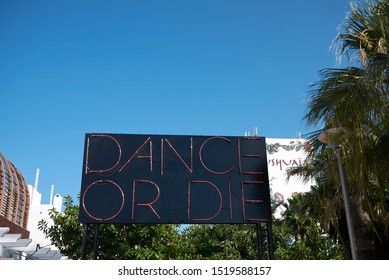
{"x": 37, "y": 246}
{"x": 281, "y": 155}
{"x": 39, "y": 211}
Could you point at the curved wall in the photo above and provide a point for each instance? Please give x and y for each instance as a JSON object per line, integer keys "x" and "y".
{"x": 14, "y": 195}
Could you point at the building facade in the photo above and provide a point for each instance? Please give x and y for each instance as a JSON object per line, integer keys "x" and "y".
{"x": 14, "y": 198}
{"x": 40, "y": 211}
{"x": 20, "y": 212}
{"x": 283, "y": 154}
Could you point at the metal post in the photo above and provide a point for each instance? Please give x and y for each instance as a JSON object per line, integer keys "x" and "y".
{"x": 259, "y": 241}
{"x": 350, "y": 227}
{"x": 96, "y": 243}
{"x": 269, "y": 240}
{"x": 84, "y": 239}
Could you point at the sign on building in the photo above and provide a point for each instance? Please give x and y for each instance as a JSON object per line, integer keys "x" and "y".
{"x": 283, "y": 154}
{"x": 131, "y": 178}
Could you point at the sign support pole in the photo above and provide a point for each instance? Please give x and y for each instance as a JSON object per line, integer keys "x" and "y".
{"x": 269, "y": 240}
{"x": 96, "y": 242}
{"x": 84, "y": 240}
{"x": 259, "y": 241}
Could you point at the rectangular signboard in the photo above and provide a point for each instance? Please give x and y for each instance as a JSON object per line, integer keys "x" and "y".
{"x": 129, "y": 178}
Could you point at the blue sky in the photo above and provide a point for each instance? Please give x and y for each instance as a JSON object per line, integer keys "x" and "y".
{"x": 186, "y": 67}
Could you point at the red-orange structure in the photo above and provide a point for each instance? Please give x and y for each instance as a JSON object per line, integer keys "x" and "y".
{"x": 14, "y": 198}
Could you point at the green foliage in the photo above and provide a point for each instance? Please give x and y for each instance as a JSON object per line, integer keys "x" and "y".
{"x": 298, "y": 235}
{"x": 221, "y": 242}
{"x": 66, "y": 232}
{"x": 195, "y": 242}
{"x": 115, "y": 241}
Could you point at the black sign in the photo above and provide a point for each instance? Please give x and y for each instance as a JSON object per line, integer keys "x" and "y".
{"x": 174, "y": 179}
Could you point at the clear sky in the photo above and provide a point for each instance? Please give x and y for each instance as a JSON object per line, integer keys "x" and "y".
{"x": 186, "y": 67}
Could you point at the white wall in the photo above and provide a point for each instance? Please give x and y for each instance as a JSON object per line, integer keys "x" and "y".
{"x": 281, "y": 155}
{"x": 39, "y": 211}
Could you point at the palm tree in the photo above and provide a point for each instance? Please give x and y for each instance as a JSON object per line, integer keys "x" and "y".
{"x": 356, "y": 99}
{"x": 298, "y": 234}
{"x": 297, "y": 218}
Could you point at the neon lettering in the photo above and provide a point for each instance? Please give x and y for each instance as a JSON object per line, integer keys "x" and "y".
{"x": 121, "y": 202}
{"x": 189, "y": 200}
{"x": 201, "y": 156}
{"x": 87, "y": 169}
{"x": 149, "y": 204}
{"x": 251, "y": 157}
{"x": 149, "y": 157}
{"x": 190, "y": 168}
{"x": 256, "y": 201}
